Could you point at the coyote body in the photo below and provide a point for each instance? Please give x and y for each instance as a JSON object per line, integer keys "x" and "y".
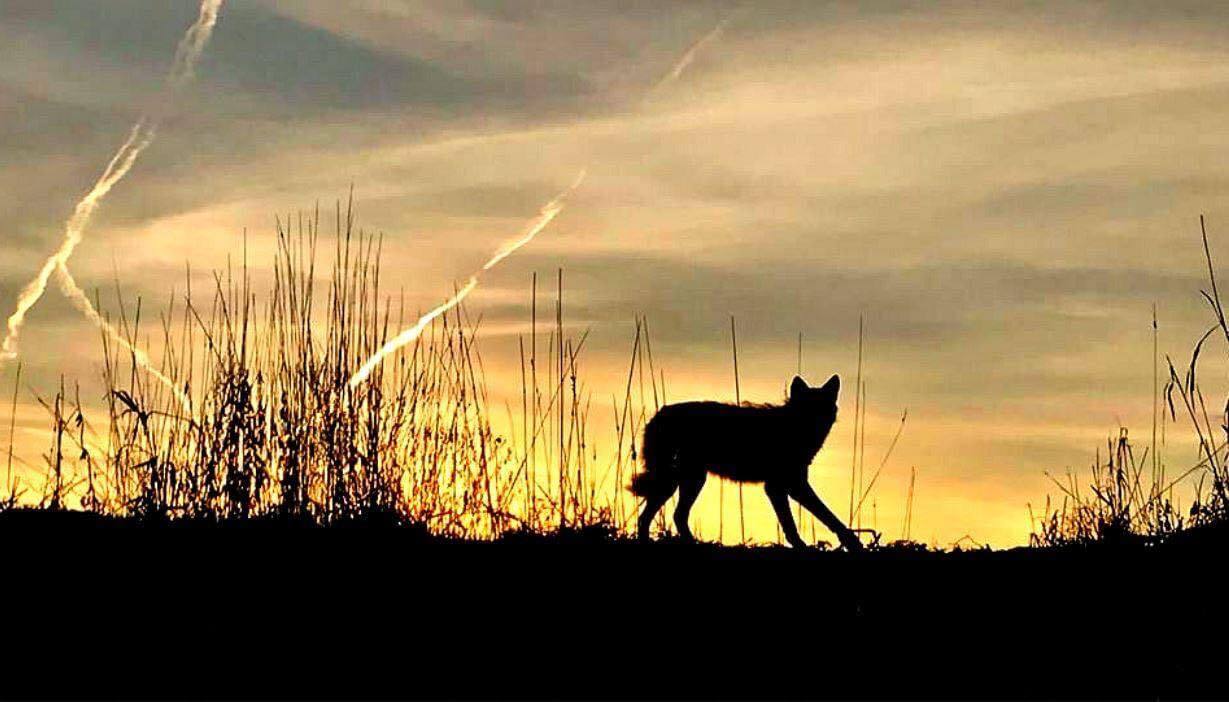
{"x": 769, "y": 444}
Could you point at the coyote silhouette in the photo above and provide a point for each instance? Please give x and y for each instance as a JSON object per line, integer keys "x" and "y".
{"x": 769, "y": 444}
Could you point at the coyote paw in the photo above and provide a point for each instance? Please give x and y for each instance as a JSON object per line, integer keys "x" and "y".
{"x": 851, "y": 542}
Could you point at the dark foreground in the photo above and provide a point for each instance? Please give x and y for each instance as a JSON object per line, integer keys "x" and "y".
{"x": 97, "y": 608}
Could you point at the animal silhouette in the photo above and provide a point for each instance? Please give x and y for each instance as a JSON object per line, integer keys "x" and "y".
{"x": 769, "y": 444}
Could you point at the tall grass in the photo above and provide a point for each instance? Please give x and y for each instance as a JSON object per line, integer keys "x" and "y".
{"x": 274, "y": 430}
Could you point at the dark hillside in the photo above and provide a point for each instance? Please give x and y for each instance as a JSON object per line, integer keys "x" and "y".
{"x": 105, "y": 607}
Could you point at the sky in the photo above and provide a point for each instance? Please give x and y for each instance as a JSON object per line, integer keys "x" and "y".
{"x": 1001, "y": 190}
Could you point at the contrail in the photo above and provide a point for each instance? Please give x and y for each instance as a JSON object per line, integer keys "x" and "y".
{"x": 79, "y": 300}
{"x": 139, "y": 138}
{"x": 548, "y": 212}
{"x": 692, "y": 51}
{"x": 410, "y": 334}
{"x": 545, "y": 215}
{"x": 192, "y": 45}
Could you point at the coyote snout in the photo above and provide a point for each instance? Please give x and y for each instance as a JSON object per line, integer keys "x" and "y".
{"x": 770, "y": 444}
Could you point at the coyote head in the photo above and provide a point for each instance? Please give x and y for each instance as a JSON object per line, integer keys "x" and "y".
{"x": 819, "y": 402}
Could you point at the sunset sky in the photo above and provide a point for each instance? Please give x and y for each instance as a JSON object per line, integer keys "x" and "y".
{"x": 1003, "y": 190}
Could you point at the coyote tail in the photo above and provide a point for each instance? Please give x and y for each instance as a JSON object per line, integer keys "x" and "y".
{"x": 657, "y": 455}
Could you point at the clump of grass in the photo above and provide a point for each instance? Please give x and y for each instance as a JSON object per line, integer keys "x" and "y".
{"x": 275, "y": 431}
{"x": 1133, "y": 501}
{"x": 1119, "y": 504}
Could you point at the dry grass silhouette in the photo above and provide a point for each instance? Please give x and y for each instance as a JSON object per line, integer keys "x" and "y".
{"x": 275, "y": 431}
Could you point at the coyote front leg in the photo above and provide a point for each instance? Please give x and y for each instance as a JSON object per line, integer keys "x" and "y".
{"x": 806, "y": 497}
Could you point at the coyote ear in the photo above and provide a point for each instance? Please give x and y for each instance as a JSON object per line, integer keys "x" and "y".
{"x": 797, "y": 388}
{"x": 833, "y": 385}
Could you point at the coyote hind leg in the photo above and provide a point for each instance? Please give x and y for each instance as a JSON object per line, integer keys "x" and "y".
{"x": 689, "y": 490}
{"x": 779, "y": 496}
{"x": 652, "y": 503}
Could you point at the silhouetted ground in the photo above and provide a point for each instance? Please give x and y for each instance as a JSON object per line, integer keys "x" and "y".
{"x": 100, "y": 607}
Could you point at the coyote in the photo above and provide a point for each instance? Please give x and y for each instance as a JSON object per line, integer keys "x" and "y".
{"x": 770, "y": 444}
